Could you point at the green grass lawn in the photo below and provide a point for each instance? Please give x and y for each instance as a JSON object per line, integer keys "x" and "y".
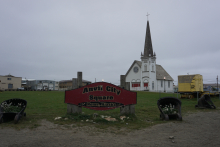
{"x": 50, "y": 104}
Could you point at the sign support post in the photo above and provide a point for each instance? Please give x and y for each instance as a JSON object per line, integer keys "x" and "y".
{"x": 74, "y": 108}
{"x": 129, "y": 109}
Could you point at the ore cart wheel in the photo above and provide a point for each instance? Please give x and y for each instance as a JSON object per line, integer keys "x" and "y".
{"x": 179, "y": 117}
{"x": 212, "y": 106}
{"x": 166, "y": 117}
{"x": 1, "y": 119}
{"x": 17, "y": 118}
{"x": 161, "y": 117}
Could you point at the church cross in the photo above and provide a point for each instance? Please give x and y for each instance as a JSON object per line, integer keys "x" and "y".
{"x": 147, "y": 15}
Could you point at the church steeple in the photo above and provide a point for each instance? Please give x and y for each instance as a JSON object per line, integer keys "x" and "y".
{"x": 148, "y": 49}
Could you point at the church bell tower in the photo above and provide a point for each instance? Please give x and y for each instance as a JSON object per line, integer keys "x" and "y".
{"x": 148, "y": 59}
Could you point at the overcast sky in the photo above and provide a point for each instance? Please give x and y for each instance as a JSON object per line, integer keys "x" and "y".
{"x": 54, "y": 39}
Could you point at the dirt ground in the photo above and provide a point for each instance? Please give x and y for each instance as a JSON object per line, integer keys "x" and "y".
{"x": 196, "y": 130}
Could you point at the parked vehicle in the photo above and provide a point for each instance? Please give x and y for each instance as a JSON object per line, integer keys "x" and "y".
{"x": 20, "y": 89}
{"x": 189, "y": 86}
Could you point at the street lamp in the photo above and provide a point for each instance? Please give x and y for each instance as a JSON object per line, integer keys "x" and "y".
{"x": 164, "y": 83}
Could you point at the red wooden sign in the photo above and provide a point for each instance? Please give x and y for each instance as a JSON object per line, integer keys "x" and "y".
{"x": 100, "y": 96}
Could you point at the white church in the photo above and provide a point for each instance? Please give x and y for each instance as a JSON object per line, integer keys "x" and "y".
{"x": 146, "y": 74}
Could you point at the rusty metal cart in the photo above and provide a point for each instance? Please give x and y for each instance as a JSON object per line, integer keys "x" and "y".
{"x": 170, "y": 108}
{"x": 12, "y": 109}
{"x": 205, "y": 102}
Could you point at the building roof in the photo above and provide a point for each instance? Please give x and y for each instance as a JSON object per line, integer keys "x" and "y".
{"x": 85, "y": 81}
{"x": 28, "y": 79}
{"x": 135, "y": 61}
{"x": 9, "y": 75}
{"x": 160, "y": 71}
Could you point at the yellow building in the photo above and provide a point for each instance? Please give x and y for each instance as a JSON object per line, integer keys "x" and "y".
{"x": 9, "y": 82}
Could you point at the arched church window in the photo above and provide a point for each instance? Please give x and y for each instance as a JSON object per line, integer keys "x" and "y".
{"x": 135, "y": 83}
{"x": 152, "y": 85}
{"x": 152, "y": 68}
{"x": 145, "y": 67}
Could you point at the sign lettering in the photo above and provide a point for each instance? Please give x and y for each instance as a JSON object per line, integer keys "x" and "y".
{"x": 91, "y": 89}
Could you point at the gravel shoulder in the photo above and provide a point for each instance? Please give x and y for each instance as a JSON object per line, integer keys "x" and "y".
{"x": 198, "y": 129}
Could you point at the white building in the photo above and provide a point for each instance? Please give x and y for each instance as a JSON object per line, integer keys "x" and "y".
{"x": 146, "y": 74}
{"x": 42, "y": 84}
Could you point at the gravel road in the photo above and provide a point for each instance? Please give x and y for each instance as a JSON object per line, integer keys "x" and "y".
{"x": 196, "y": 130}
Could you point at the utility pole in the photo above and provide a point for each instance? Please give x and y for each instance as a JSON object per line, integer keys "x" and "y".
{"x": 217, "y": 88}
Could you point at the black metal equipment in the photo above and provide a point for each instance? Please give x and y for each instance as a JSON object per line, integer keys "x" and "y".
{"x": 205, "y": 102}
{"x": 20, "y": 104}
{"x": 170, "y": 108}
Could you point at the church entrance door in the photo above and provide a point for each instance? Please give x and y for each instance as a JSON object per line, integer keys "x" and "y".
{"x": 146, "y": 86}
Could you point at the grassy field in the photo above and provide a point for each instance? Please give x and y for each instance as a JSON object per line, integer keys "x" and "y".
{"x": 50, "y": 104}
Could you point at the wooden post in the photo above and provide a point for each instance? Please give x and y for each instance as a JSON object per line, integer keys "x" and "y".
{"x": 129, "y": 109}
{"x": 74, "y": 108}
{"x": 74, "y": 83}
{"x": 79, "y": 79}
{"x": 122, "y": 81}
{"x": 127, "y": 85}
{"x": 132, "y": 109}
